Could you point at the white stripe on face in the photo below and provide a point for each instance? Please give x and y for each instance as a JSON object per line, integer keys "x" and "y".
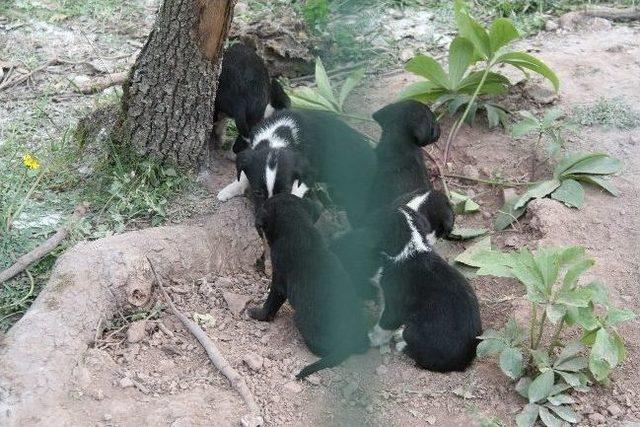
{"x": 415, "y": 244}
{"x": 270, "y": 175}
{"x": 268, "y": 133}
{"x": 417, "y": 201}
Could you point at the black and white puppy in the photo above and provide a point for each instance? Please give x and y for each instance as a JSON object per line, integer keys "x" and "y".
{"x": 433, "y": 300}
{"x": 407, "y": 126}
{"x": 327, "y": 312}
{"x": 245, "y": 93}
{"x": 333, "y": 153}
{"x": 358, "y": 251}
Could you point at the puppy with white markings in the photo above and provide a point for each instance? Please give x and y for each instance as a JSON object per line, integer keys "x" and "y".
{"x": 245, "y": 94}
{"x": 430, "y": 298}
{"x": 335, "y": 154}
{"x": 327, "y": 311}
{"x": 407, "y": 126}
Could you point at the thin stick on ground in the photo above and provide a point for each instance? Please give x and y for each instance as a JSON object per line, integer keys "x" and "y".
{"x": 24, "y": 77}
{"x": 237, "y": 381}
{"x": 46, "y": 247}
{"x": 440, "y": 174}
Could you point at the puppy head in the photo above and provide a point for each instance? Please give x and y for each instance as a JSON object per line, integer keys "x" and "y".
{"x": 434, "y": 206}
{"x": 410, "y": 118}
{"x": 284, "y": 211}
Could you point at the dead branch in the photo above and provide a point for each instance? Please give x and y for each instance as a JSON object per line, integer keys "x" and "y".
{"x": 16, "y": 80}
{"x": 254, "y": 418}
{"x": 100, "y": 83}
{"x": 614, "y": 14}
{"x": 46, "y": 247}
{"x": 441, "y": 175}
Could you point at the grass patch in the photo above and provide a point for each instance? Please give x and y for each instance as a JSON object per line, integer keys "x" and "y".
{"x": 57, "y": 10}
{"x": 609, "y": 112}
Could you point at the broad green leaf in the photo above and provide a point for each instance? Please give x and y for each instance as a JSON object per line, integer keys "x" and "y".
{"x": 618, "y": 315}
{"x": 507, "y": 214}
{"x": 501, "y": 33}
{"x": 305, "y": 97}
{"x": 513, "y": 333}
{"x": 349, "y": 84}
{"x": 571, "y": 350}
{"x": 467, "y": 257}
{"x": 422, "y": 91}
{"x": 538, "y": 191}
{"x": 619, "y": 344}
{"x": 490, "y": 346}
{"x": 541, "y": 359}
{"x": 493, "y": 115}
{"x": 604, "y": 355}
{"x": 601, "y": 182}
{"x": 584, "y": 317}
{"x": 564, "y": 412}
{"x": 574, "y": 364}
{"x": 455, "y": 103}
{"x": 430, "y": 69}
{"x": 551, "y": 116}
{"x": 463, "y": 204}
{"x": 572, "y": 379}
{"x": 555, "y": 312}
{"x": 597, "y": 292}
{"x": 574, "y": 297}
{"x": 548, "y": 418}
{"x": 570, "y": 254}
{"x": 470, "y": 83}
{"x": 524, "y": 60}
{"x": 460, "y": 233}
{"x": 522, "y": 387}
{"x": 322, "y": 81}
{"x": 528, "y": 416}
{"x": 573, "y": 273}
{"x": 472, "y": 30}
{"x": 460, "y": 58}
{"x": 511, "y": 362}
{"x": 490, "y": 334}
{"x": 561, "y": 399}
{"x": 590, "y": 164}
{"x": 548, "y": 264}
{"x": 571, "y": 193}
{"x": 540, "y": 387}
{"x": 492, "y": 264}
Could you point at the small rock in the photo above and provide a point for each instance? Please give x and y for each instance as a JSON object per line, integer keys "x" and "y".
{"x": 349, "y": 389}
{"x": 397, "y": 14}
{"x": 293, "y": 387}
{"x": 407, "y": 54}
{"x": 314, "y": 379}
{"x": 253, "y": 361}
{"x": 550, "y": 25}
{"x": 126, "y": 382}
{"x": 543, "y": 95}
{"x": 615, "y": 410}
{"x": 107, "y": 417}
{"x": 137, "y": 331}
{"x": 81, "y": 80}
{"x": 235, "y": 302}
{"x": 597, "y": 418}
{"x": 471, "y": 171}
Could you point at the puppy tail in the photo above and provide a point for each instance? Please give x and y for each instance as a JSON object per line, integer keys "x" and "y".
{"x": 328, "y": 361}
{"x": 279, "y": 98}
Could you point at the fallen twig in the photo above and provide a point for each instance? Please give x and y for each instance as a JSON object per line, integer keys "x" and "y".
{"x": 237, "y": 381}
{"x": 614, "y": 14}
{"x": 16, "y": 80}
{"x": 100, "y": 83}
{"x": 445, "y": 187}
{"x": 46, "y": 247}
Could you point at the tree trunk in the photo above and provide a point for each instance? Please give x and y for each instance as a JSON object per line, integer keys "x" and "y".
{"x": 168, "y": 101}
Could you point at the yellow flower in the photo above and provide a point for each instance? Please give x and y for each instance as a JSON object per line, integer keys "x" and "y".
{"x": 30, "y": 162}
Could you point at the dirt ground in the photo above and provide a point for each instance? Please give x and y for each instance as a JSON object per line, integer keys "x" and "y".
{"x": 161, "y": 376}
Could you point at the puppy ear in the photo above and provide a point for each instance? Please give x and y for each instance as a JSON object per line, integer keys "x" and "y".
{"x": 243, "y": 160}
{"x": 426, "y": 129}
{"x": 385, "y": 115}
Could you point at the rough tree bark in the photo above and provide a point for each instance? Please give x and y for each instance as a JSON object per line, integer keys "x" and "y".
{"x": 168, "y": 100}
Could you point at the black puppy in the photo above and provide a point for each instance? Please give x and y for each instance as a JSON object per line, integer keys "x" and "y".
{"x": 328, "y": 149}
{"x": 407, "y": 126}
{"x": 327, "y": 311}
{"x": 433, "y": 300}
{"x": 245, "y": 93}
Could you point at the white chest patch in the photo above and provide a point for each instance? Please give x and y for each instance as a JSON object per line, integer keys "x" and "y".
{"x": 417, "y": 201}
{"x": 270, "y": 174}
{"x": 269, "y": 133}
{"x": 299, "y": 189}
{"x": 416, "y": 243}
{"x": 268, "y": 111}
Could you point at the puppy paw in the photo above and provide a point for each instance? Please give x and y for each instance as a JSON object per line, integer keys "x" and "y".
{"x": 379, "y": 336}
{"x": 258, "y": 313}
{"x": 225, "y": 194}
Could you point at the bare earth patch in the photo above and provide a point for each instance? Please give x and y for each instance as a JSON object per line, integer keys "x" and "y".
{"x": 52, "y": 367}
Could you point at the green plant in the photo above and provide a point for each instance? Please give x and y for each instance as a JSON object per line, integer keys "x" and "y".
{"x": 323, "y": 97}
{"x": 614, "y": 112}
{"x": 315, "y": 12}
{"x": 565, "y": 186}
{"x": 463, "y": 85}
{"x": 16, "y": 192}
{"x": 546, "y": 370}
{"x": 550, "y": 127}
